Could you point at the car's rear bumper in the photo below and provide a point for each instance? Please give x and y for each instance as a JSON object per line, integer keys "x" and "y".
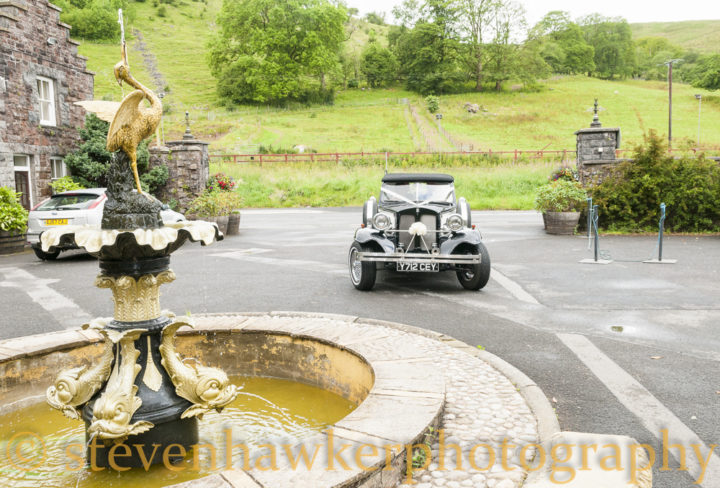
{"x": 33, "y": 238}
{"x": 401, "y": 257}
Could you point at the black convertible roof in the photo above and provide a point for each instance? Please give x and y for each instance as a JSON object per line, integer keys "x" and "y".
{"x": 415, "y": 177}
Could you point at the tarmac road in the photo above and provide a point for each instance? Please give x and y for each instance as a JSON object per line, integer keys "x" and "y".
{"x": 624, "y": 348}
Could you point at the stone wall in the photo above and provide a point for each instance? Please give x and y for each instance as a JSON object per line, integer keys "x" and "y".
{"x": 33, "y": 42}
{"x": 189, "y": 165}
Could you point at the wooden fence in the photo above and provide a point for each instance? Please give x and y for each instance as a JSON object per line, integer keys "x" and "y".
{"x": 338, "y": 157}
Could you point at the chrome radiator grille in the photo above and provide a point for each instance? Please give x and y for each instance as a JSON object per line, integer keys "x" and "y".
{"x": 412, "y": 243}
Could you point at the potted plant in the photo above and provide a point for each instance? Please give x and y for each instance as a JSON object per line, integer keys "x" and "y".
{"x": 13, "y": 222}
{"x": 561, "y": 202}
{"x": 216, "y": 206}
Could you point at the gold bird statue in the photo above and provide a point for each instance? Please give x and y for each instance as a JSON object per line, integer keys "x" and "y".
{"x": 133, "y": 122}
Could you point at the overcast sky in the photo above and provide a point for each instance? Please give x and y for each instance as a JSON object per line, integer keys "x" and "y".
{"x": 632, "y": 10}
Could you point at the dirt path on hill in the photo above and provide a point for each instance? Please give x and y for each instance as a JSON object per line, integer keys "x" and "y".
{"x": 150, "y": 62}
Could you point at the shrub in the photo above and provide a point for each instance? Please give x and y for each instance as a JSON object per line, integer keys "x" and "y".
{"x": 93, "y": 23}
{"x": 89, "y": 163}
{"x": 162, "y": 11}
{"x": 629, "y": 198}
{"x": 433, "y": 103}
{"x": 560, "y": 196}
{"x": 66, "y": 183}
{"x": 353, "y": 83}
{"x": 13, "y": 216}
{"x": 214, "y": 203}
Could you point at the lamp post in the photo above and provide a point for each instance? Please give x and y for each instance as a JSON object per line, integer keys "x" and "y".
{"x": 670, "y": 67}
{"x": 699, "y": 99}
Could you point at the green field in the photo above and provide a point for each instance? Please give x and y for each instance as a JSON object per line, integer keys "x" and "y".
{"x": 377, "y": 120}
{"x": 699, "y": 35}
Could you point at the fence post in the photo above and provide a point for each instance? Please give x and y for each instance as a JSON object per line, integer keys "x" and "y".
{"x": 286, "y": 157}
{"x": 516, "y": 162}
{"x": 337, "y": 158}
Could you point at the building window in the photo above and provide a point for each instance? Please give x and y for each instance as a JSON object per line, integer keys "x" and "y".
{"x": 23, "y": 180}
{"x": 57, "y": 168}
{"x": 46, "y": 95}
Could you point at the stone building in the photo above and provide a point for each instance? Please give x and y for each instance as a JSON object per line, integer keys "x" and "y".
{"x": 41, "y": 75}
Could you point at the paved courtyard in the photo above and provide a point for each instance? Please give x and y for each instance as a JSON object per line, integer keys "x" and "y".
{"x": 625, "y": 348}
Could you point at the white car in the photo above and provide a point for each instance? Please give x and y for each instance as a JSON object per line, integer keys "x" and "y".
{"x": 75, "y": 207}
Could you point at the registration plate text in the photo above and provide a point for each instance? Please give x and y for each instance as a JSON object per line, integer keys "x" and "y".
{"x": 56, "y": 222}
{"x": 420, "y": 267}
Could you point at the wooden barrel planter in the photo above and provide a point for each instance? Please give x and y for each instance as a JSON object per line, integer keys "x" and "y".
{"x": 11, "y": 242}
{"x": 561, "y": 223}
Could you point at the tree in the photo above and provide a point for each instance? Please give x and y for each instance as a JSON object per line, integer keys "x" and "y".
{"x": 378, "y": 65}
{"x": 476, "y": 15}
{"x": 508, "y": 17}
{"x": 563, "y": 45}
{"x": 265, "y": 50}
{"x": 706, "y": 73}
{"x": 377, "y": 18}
{"x": 612, "y": 42}
{"x": 430, "y": 54}
{"x": 90, "y": 162}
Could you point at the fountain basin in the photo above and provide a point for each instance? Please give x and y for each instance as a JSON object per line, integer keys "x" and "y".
{"x": 398, "y": 389}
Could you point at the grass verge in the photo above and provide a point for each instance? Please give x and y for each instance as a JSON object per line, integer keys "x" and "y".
{"x": 487, "y": 187}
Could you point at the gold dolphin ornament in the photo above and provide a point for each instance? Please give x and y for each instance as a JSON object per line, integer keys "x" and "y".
{"x": 207, "y": 388}
{"x": 74, "y": 387}
{"x": 113, "y": 411}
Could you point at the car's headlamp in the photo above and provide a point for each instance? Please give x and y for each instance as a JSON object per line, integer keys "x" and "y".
{"x": 454, "y": 222}
{"x": 381, "y": 221}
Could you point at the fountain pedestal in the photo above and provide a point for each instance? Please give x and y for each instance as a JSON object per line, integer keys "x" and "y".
{"x": 141, "y": 394}
{"x": 135, "y": 288}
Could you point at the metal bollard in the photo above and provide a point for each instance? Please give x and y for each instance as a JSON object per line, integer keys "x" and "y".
{"x": 589, "y": 220}
{"x": 661, "y": 230}
{"x": 595, "y": 229}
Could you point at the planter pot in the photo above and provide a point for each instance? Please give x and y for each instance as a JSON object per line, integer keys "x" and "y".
{"x": 11, "y": 242}
{"x": 561, "y": 223}
{"x": 221, "y": 221}
{"x": 233, "y": 228}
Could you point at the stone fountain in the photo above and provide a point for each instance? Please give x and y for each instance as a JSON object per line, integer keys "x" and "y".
{"x": 139, "y": 392}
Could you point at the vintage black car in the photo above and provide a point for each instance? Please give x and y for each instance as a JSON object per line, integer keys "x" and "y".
{"x": 418, "y": 226}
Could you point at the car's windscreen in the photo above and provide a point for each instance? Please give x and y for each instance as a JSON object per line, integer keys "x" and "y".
{"x": 75, "y": 201}
{"x": 418, "y": 192}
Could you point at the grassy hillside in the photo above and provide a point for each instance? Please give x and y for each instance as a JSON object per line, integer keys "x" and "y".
{"x": 700, "y": 35}
{"x": 380, "y": 120}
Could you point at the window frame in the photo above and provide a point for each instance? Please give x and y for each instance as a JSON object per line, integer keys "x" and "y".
{"x": 65, "y": 172}
{"x": 51, "y": 119}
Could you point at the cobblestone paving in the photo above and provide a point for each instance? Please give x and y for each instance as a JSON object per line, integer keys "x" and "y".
{"x": 482, "y": 407}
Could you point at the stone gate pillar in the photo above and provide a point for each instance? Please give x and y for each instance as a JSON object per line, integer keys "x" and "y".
{"x": 189, "y": 165}
{"x": 596, "y": 147}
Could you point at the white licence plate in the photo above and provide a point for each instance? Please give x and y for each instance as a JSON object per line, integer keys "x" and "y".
{"x": 419, "y": 267}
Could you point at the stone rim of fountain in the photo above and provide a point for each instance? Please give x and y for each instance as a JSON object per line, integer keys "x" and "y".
{"x": 426, "y": 400}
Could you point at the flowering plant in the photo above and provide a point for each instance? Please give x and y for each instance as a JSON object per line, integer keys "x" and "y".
{"x": 221, "y": 182}
{"x": 565, "y": 173}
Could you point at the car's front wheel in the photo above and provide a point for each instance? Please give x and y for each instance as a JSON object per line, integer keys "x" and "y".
{"x": 475, "y": 276}
{"x": 45, "y": 256}
{"x": 362, "y": 273}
